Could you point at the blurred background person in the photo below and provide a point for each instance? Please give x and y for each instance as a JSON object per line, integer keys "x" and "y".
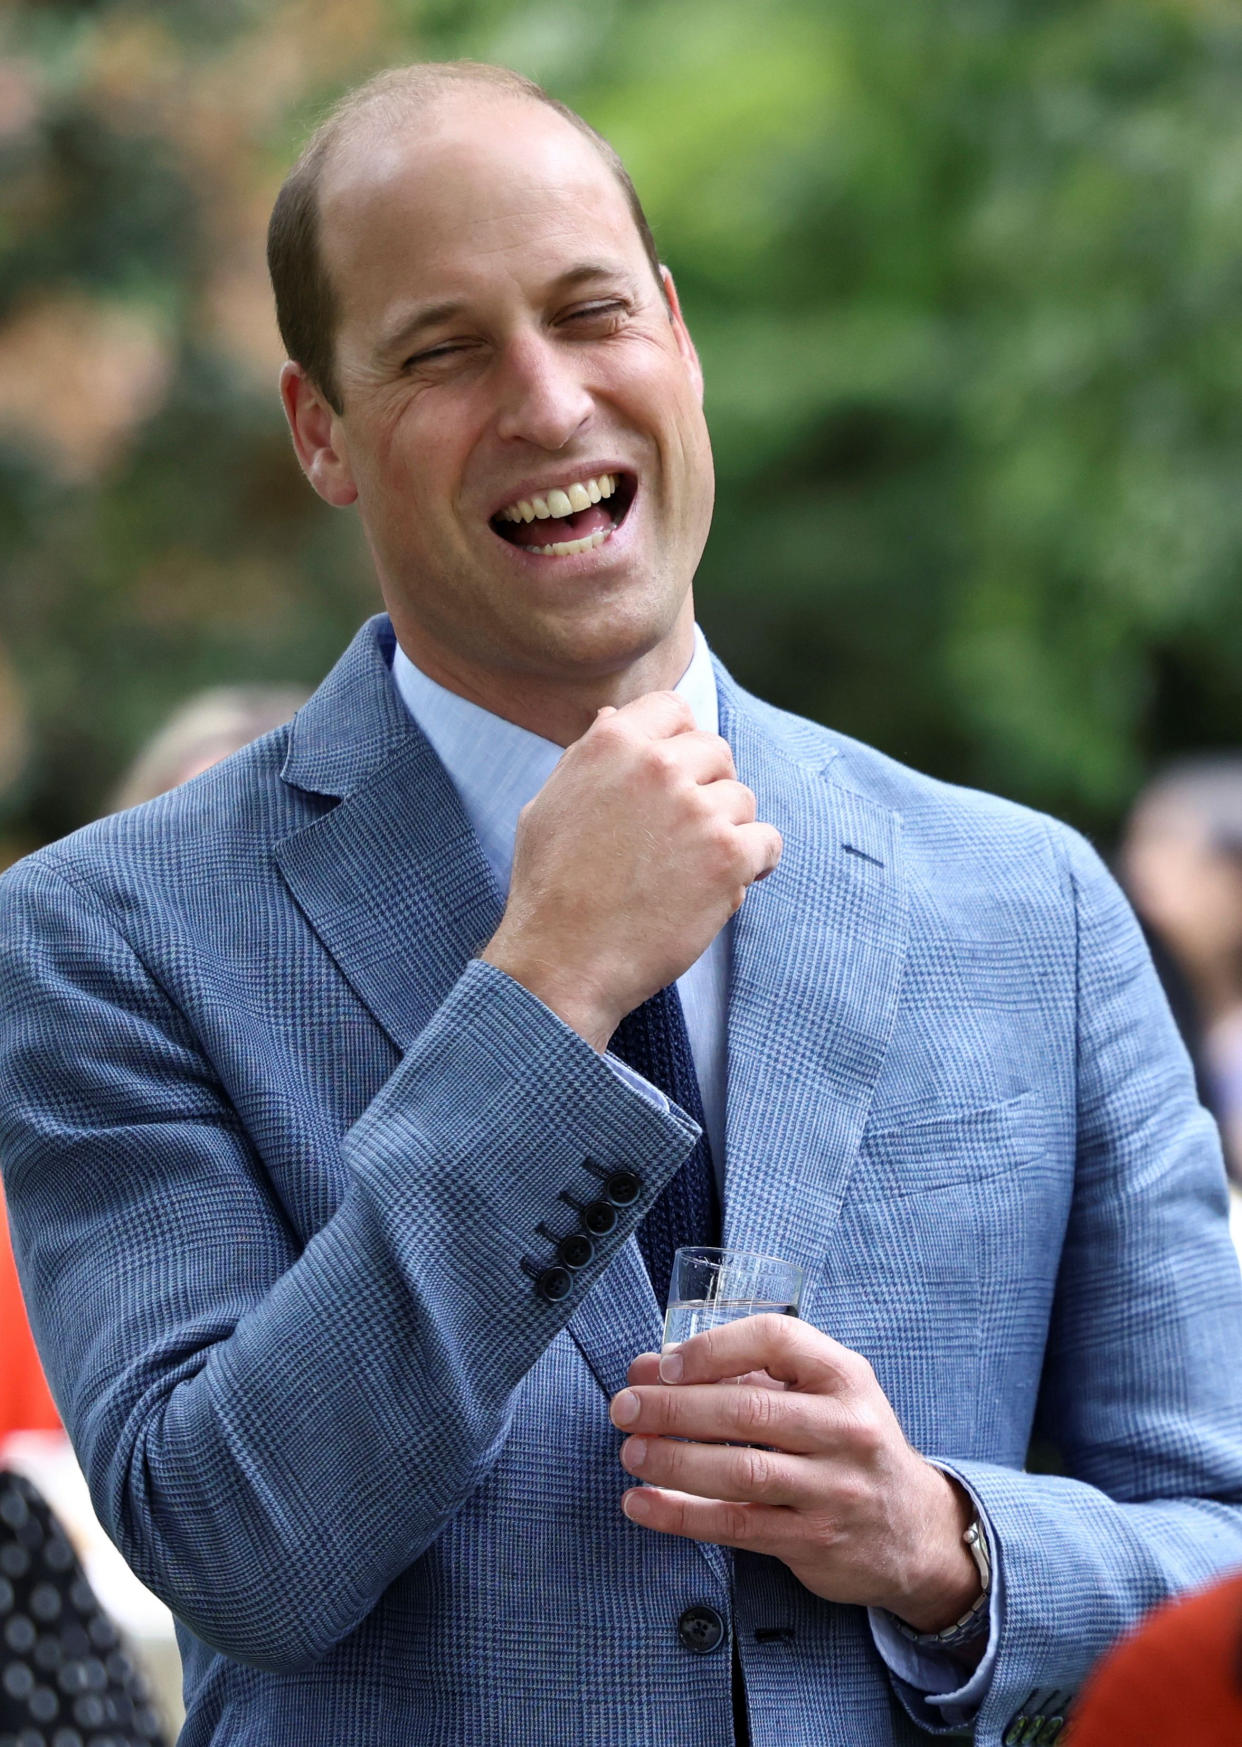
{"x": 206, "y": 728}
{"x": 1181, "y": 863}
{"x": 65, "y": 1678}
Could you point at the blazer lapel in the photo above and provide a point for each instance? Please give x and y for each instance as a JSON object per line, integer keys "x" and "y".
{"x": 392, "y": 879}
{"x": 818, "y": 951}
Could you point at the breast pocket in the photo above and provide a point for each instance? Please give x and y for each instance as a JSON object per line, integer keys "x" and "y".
{"x": 958, "y": 1147}
{"x": 947, "y": 1243}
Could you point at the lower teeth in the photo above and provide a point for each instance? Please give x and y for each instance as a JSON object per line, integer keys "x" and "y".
{"x": 567, "y": 548}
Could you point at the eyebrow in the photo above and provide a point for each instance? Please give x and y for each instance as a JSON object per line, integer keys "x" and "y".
{"x": 410, "y": 324}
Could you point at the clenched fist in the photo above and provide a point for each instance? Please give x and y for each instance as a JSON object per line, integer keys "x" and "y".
{"x": 628, "y": 862}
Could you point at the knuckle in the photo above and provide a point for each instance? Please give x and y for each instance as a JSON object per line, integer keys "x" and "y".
{"x": 722, "y": 844}
{"x": 656, "y": 759}
{"x": 736, "y": 1524}
{"x": 867, "y": 1431}
{"x": 858, "y": 1372}
{"x": 754, "y": 1471}
{"x": 671, "y": 1458}
{"x": 658, "y": 1409}
{"x": 756, "y": 1409}
{"x": 678, "y": 1512}
{"x": 608, "y": 734}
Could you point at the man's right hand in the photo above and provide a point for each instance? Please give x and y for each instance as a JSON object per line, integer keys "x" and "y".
{"x": 628, "y": 862}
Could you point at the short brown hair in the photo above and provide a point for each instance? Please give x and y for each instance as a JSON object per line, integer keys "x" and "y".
{"x": 306, "y": 308}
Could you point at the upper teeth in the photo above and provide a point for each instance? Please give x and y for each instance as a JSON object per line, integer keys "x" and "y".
{"x": 561, "y": 502}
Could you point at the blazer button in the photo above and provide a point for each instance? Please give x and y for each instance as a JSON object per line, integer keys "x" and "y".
{"x": 622, "y": 1188}
{"x": 701, "y": 1629}
{"x": 576, "y": 1250}
{"x": 554, "y": 1284}
{"x": 599, "y": 1217}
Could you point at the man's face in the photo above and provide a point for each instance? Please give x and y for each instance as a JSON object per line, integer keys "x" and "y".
{"x": 502, "y": 339}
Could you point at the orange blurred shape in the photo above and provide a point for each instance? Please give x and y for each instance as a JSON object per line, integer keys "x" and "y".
{"x": 1175, "y": 1682}
{"x": 25, "y": 1404}
{"x": 78, "y": 377}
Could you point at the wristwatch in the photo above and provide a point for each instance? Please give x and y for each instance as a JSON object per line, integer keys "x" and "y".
{"x": 973, "y": 1621}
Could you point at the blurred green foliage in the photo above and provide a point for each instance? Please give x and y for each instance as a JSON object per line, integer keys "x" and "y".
{"x": 966, "y": 276}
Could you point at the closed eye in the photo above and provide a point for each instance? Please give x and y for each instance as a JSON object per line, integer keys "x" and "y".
{"x": 607, "y": 314}
{"x": 436, "y": 354}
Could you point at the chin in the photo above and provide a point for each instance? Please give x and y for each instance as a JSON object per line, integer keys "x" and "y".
{"x": 612, "y": 641}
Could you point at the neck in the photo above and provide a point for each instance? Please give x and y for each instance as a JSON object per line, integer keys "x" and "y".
{"x": 559, "y": 708}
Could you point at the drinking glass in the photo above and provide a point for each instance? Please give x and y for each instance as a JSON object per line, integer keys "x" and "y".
{"x": 713, "y": 1286}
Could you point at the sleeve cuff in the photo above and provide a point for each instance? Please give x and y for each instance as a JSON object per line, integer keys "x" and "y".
{"x": 935, "y": 1691}
{"x": 635, "y": 1081}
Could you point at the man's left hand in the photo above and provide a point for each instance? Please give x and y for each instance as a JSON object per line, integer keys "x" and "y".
{"x": 807, "y": 1463}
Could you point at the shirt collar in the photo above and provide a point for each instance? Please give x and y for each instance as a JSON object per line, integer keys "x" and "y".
{"x": 498, "y": 767}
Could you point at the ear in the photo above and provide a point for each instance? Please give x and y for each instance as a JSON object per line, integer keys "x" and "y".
{"x": 685, "y": 345}
{"x": 317, "y": 437}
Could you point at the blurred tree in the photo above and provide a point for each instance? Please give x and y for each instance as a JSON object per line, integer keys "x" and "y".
{"x": 964, "y": 276}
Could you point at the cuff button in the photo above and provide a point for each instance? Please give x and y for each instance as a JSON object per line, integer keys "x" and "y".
{"x": 622, "y": 1188}
{"x": 576, "y": 1250}
{"x": 599, "y": 1217}
{"x": 553, "y": 1284}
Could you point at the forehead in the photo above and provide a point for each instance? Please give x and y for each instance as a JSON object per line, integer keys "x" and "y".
{"x": 483, "y": 191}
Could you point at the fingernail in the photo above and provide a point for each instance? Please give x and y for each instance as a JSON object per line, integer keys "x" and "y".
{"x": 636, "y": 1452}
{"x": 671, "y": 1368}
{"x": 625, "y": 1408}
{"x": 636, "y": 1505}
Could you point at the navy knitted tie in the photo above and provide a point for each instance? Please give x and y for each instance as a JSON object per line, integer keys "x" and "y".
{"x": 653, "y": 1041}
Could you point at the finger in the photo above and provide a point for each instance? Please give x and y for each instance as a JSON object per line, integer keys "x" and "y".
{"x": 656, "y": 714}
{"x": 732, "y": 800}
{"x": 745, "y": 1475}
{"x": 705, "y": 758}
{"x": 645, "y": 1368}
{"x": 762, "y": 846}
{"x": 793, "y": 1352}
{"x": 726, "y": 1413}
{"x": 759, "y": 1528}
{"x": 691, "y": 756}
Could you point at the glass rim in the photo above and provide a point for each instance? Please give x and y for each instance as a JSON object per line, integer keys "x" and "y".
{"x": 705, "y": 1251}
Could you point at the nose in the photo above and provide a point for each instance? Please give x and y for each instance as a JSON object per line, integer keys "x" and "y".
{"x": 542, "y": 398}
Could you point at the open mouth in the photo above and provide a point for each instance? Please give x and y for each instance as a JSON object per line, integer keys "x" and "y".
{"x": 571, "y": 518}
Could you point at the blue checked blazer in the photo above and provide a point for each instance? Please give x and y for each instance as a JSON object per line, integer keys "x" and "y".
{"x": 276, "y": 1146}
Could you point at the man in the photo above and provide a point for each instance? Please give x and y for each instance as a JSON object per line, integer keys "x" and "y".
{"x": 345, "y": 1233}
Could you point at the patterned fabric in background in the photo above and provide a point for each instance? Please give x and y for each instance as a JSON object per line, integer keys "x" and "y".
{"x": 64, "y": 1679}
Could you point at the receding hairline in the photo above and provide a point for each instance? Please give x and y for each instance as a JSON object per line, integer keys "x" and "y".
{"x": 405, "y": 97}
{"x": 397, "y": 100}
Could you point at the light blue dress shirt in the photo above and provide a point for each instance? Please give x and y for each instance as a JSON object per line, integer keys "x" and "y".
{"x": 497, "y": 768}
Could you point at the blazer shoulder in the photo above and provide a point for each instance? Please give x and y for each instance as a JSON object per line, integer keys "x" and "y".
{"x": 220, "y": 825}
{"x": 942, "y": 823}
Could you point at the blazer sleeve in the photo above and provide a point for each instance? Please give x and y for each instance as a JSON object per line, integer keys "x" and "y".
{"x": 273, "y": 1431}
{"x": 1141, "y": 1394}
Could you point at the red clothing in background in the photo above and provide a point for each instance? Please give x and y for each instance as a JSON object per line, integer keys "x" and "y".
{"x": 1176, "y": 1682}
{"x": 25, "y": 1405}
